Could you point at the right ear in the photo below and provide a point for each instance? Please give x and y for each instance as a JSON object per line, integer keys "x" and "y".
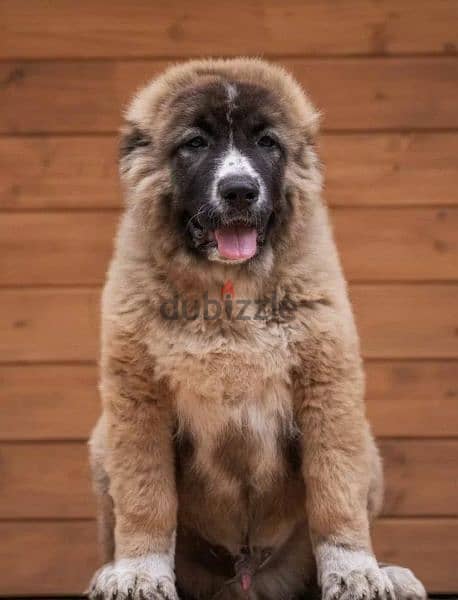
{"x": 132, "y": 138}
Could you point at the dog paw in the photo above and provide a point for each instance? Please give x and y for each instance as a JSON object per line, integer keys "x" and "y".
{"x": 406, "y": 585}
{"x": 371, "y": 584}
{"x": 133, "y": 579}
{"x": 348, "y": 574}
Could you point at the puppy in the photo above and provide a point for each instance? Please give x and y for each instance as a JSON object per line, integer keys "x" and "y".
{"x": 233, "y": 458}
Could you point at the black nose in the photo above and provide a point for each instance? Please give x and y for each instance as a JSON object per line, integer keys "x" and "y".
{"x": 239, "y": 190}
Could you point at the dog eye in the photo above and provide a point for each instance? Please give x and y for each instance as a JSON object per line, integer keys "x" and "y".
{"x": 142, "y": 141}
{"x": 266, "y": 141}
{"x": 196, "y": 142}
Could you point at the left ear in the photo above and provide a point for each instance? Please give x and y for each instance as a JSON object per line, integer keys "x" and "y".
{"x": 132, "y": 137}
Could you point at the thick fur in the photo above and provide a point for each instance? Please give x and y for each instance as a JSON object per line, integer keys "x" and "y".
{"x": 228, "y": 438}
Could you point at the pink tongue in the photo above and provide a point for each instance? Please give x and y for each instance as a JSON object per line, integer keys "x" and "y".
{"x": 236, "y": 242}
{"x": 246, "y": 582}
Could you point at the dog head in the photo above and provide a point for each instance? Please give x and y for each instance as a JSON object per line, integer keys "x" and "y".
{"x": 213, "y": 155}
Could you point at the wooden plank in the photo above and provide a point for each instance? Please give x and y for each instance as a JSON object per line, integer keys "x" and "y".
{"x": 420, "y": 477}
{"x": 382, "y": 94}
{"x": 63, "y": 248}
{"x": 427, "y": 546}
{"x": 361, "y": 169}
{"x": 45, "y": 481}
{"x": 111, "y": 29}
{"x": 68, "y": 96}
{"x": 403, "y": 244}
{"x": 49, "y": 325}
{"x": 59, "y": 172}
{"x": 58, "y": 402}
{"x": 48, "y": 480}
{"x": 47, "y": 557}
{"x": 357, "y": 94}
{"x": 62, "y": 556}
{"x": 390, "y": 169}
{"x": 48, "y": 402}
{"x": 407, "y": 321}
{"x": 376, "y": 244}
{"x": 395, "y": 321}
{"x": 413, "y": 398}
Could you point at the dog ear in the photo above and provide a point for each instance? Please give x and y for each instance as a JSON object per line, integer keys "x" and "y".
{"x": 132, "y": 138}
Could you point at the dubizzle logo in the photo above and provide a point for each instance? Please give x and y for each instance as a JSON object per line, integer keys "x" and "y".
{"x": 227, "y": 307}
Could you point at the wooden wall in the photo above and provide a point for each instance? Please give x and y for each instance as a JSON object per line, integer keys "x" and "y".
{"x": 385, "y": 75}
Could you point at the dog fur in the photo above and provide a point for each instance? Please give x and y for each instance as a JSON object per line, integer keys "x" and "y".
{"x": 229, "y": 438}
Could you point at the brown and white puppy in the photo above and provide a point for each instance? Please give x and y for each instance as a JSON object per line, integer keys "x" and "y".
{"x": 233, "y": 457}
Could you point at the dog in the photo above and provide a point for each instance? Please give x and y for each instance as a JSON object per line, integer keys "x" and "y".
{"x": 233, "y": 458}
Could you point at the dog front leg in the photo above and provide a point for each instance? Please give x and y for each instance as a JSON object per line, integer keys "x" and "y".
{"x": 337, "y": 471}
{"x": 140, "y": 465}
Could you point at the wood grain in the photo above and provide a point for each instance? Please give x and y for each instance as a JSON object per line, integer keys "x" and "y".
{"x": 365, "y": 94}
{"x": 420, "y": 477}
{"x": 407, "y": 321}
{"x": 61, "y": 556}
{"x": 62, "y": 248}
{"x": 360, "y": 170}
{"x": 376, "y": 244}
{"x": 48, "y": 402}
{"x": 390, "y": 169}
{"x": 413, "y": 398}
{"x": 49, "y": 325}
{"x": 395, "y": 321}
{"x": 397, "y": 244}
{"x": 47, "y": 557}
{"x": 356, "y": 94}
{"x": 45, "y": 481}
{"x": 59, "y": 172}
{"x": 51, "y": 480}
{"x": 59, "y": 402}
{"x": 427, "y": 546}
{"x": 109, "y": 29}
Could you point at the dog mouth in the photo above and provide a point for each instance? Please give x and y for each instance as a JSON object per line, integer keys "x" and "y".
{"x": 236, "y": 240}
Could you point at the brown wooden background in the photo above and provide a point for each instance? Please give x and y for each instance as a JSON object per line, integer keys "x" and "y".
{"x": 385, "y": 74}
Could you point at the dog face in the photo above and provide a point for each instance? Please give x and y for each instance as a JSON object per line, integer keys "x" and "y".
{"x": 228, "y": 166}
{"x": 223, "y": 144}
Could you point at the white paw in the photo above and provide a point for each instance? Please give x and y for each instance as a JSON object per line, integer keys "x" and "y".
{"x": 347, "y": 574}
{"x": 133, "y": 579}
{"x": 406, "y": 585}
{"x": 370, "y": 584}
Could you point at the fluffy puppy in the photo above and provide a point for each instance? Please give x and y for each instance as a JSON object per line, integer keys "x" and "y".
{"x": 233, "y": 458}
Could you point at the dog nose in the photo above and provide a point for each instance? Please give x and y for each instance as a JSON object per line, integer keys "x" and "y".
{"x": 239, "y": 191}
